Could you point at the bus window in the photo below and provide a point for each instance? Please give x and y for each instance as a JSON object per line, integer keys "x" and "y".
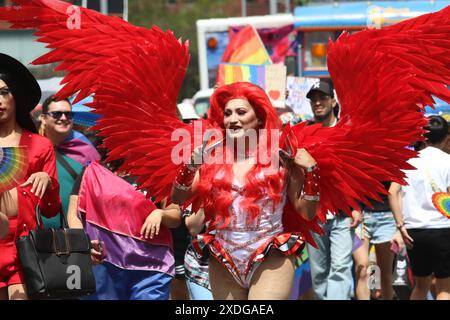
{"x": 315, "y": 44}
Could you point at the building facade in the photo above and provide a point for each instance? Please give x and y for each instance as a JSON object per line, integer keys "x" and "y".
{"x": 237, "y": 8}
{"x": 20, "y": 44}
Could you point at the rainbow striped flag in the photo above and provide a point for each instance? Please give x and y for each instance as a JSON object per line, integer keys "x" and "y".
{"x": 13, "y": 167}
{"x": 231, "y": 73}
{"x": 246, "y": 47}
{"x": 271, "y": 78}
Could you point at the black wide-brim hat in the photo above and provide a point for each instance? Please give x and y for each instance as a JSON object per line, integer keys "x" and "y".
{"x": 24, "y": 78}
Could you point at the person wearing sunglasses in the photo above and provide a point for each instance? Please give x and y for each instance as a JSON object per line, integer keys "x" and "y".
{"x": 57, "y": 125}
{"x": 73, "y": 149}
{"x": 56, "y": 120}
{"x": 331, "y": 260}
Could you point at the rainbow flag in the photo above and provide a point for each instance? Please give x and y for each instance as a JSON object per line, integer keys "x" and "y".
{"x": 246, "y": 47}
{"x": 231, "y": 73}
{"x": 79, "y": 148}
{"x": 271, "y": 78}
{"x": 13, "y": 167}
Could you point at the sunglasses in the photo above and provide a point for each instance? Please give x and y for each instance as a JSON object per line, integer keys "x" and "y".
{"x": 58, "y": 114}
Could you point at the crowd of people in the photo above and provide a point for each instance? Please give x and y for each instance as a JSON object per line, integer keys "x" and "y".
{"x": 143, "y": 251}
{"x": 247, "y": 207}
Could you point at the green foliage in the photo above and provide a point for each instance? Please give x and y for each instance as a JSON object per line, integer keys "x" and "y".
{"x": 301, "y": 2}
{"x": 182, "y": 21}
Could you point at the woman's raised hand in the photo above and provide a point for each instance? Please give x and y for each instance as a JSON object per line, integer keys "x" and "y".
{"x": 304, "y": 159}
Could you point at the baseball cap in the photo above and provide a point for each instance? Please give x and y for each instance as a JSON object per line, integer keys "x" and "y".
{"x": 322, "y": 85}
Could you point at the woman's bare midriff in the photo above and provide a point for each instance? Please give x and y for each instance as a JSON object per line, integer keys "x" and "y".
{"x": 8, "y": 203}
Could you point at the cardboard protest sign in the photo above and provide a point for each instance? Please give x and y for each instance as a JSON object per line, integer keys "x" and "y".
{"x": 297, "y": 88}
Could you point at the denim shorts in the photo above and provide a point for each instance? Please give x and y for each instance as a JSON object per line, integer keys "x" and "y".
{"x": 378, "y": 227}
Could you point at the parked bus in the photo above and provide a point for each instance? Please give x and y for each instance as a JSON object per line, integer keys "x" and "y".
{"x": 316, "y": 24}
{"x": 212, "y": 35}
{"x": 312, "y": 27}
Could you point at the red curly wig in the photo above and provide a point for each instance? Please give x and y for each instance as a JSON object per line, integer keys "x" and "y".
{"x": 256, "y": 96}
{"x": 214, "y": 188}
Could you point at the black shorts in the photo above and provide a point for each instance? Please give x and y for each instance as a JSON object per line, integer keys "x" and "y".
{"x": 430, "y": 253}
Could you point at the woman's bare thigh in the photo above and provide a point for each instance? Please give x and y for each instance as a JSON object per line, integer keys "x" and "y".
{"x": 273, "y": 279}
{"x": 17, "y": 292}
{"x": 223, "y": 285}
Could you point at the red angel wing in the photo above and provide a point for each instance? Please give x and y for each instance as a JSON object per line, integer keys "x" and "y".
{"x": 382, "y": 79}
{"x": 134, "y": 73}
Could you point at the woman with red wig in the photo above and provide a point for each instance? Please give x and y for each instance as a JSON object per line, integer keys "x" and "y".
{"x": 255, "y": 210}
{"x": 244, "y": 198}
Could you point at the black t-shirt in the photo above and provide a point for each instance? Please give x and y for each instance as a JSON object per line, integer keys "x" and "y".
{"x": 379, "y": 206}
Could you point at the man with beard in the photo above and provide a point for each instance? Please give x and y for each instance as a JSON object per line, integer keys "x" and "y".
{"x": 323, "y": 103}
{"x": 331, "y": 262}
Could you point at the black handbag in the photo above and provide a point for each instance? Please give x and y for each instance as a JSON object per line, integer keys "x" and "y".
{"x": 56, "y": 263}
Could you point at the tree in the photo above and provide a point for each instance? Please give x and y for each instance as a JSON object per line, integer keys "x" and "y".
{"x": 181, "y": 19}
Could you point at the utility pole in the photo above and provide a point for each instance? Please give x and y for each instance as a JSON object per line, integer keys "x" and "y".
{"x": 287, "y": 5}
{"x": 273, "y": 7}
{"x": 104, "y": 7}
{"x": 244, "y": 8}
{"x": 125, "y": 10}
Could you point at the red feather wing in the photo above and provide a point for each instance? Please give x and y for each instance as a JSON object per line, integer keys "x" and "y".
{"x": 134, "y": 73}
{"x": 382, "y": 79}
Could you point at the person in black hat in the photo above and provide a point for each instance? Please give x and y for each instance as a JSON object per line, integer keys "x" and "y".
{"x": 23, "y": 87}
{"x": 323, "y": 103}
{"x": 331, "y": 261}
{"x": 19, "y": 94}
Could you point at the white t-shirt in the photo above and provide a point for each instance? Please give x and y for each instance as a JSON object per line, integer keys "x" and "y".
{"x": 418, "y": 209}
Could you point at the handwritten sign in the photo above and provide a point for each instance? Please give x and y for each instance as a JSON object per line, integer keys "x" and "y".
{"x": 297, "y": 88}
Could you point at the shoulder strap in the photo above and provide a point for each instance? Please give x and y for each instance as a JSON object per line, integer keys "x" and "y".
{"x": 434, "y": 186}
{"x": 66, "y": 165}
{"x": 40, "y": 224}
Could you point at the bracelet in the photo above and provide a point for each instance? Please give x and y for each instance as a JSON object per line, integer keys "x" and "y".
{"x": 185, "y": 178}
{"x": 311, "y": 198}
{"x": 178, "y": 186}
{"x": 400, "y": 225}
{"x": 311, "y": 191}
{"x": 184, "y": 215}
